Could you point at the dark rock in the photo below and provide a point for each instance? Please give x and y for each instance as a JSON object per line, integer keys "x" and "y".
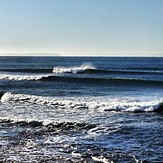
{"x": 29, "y": 124}
{"x": 160, "y": 108}
{"x": 35, "y": 124}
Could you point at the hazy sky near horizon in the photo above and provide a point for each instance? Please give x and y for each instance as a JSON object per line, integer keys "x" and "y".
{"x": 82, "y": 27}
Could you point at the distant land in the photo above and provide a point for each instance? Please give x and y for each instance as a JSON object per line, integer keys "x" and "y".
{"x": 29, "y": 54}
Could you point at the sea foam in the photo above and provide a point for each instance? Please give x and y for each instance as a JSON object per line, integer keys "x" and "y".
{"x": 22, "y": 77}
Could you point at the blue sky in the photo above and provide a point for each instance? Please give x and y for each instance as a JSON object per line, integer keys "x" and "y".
{"x": 82, "y": 27}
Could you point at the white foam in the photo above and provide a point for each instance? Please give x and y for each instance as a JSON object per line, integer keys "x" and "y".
{"x": 21, "y": 77}
{"x": 101, "y": 159}
{"x": 73, "y": 70}
{"x": 92, "y": 103}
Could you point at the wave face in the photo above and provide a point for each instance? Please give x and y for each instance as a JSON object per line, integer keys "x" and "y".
{"x": 100, "y": 80}
{"x": 82, "y": 80}
{"x": 28, "y": 70}
{"x": 101, "y": 104}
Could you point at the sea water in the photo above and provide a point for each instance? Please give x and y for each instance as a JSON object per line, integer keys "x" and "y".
{"x": 81, "y": 109}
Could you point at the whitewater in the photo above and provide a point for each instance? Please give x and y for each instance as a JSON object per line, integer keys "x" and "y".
{"x": 93, "y": 103}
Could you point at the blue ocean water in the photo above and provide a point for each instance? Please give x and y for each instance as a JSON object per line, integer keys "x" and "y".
{"x": 81, "y": 109}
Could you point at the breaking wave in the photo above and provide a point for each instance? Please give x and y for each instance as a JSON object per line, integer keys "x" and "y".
{"x": 86, "y": 80}
{"x": 75, "y": 69}
{"x": 93, "y": 103}
{"x": 86, "y": 68}
{"x": 22, "y": 77}
{"x": 76, "y": 79}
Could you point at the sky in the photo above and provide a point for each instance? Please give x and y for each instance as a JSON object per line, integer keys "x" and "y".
{"x": 82, "y": 27}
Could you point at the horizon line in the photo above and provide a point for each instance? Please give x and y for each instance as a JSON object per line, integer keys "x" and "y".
{"x": 118, "y": 54}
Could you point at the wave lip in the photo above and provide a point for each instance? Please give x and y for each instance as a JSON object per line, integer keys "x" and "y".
{"x": 75, "y": 69}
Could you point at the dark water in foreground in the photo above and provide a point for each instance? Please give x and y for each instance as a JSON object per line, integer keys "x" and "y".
{"x": 83, "y": 109}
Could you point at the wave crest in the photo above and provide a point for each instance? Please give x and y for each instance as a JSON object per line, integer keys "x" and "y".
{"x": 75, "y": 69}
{"x": 22, "y": 77}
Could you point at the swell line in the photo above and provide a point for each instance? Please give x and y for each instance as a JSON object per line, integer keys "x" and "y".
{"x": 100, "y": 71}
{"x": 84, "y": 71}
{"x": 100, "y": 80}
{"x": 29, "y": 70}
{"x": 85, "y": 80}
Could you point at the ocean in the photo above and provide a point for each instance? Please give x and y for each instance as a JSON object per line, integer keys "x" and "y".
{"x": 81, "y": 109}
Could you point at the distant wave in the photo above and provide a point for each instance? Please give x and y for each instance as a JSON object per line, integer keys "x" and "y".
{"x": 89, "y": 68}
{"x": 93, "y": 103}
{"x": 85, "y": 68}
{"x": 119, "y": 72}
{"x": 146, "y": 68}
{"x": 75, "y": 69}
{"x": 103, "y": 71}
